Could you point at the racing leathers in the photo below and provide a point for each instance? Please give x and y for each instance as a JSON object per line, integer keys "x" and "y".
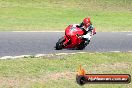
{"x": 88, "y": 32}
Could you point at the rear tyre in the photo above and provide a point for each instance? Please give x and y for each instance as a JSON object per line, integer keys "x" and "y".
{"x": 59, "y": 44}
{"x": 81, "y": 46}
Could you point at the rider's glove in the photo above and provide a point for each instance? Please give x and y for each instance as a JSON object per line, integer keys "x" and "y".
{"x": 94, "y": 31}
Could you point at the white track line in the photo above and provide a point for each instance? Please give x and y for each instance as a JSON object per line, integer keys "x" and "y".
{"x": 37, "y": 55}
{"x": 7, "y": 57}
{"x": 15, "y": 57}
{"x": 49, "y": 55}
{"x": 61, "y": 54}
{"x": 81, "y": 52}
{"x": 115, "y": 51}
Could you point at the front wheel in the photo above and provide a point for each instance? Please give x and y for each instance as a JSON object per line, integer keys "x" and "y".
{"x": 59, "y": 44}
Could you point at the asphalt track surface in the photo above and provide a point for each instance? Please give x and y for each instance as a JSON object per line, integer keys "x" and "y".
{"x": 32, "y": 43}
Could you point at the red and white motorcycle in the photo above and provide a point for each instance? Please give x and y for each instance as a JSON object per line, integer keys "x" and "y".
{"x": 72, "y": 38}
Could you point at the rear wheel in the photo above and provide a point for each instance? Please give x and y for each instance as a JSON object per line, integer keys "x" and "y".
{"x": 59, "y": 44}
{"x": 81, "y": 46}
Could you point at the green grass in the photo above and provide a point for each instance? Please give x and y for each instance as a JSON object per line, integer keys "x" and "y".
{"x": 46, "y": 15}
{"x": 56, "y": 72}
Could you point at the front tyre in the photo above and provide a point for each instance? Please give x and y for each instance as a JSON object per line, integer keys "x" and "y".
{"x": 59, "y": 44}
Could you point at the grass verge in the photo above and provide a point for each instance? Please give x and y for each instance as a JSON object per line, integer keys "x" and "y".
{"x": 60, "y": 72}
{"x": 55, "y": 15}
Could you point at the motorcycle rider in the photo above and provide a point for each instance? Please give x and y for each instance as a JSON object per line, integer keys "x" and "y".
{"x": 88, "y": 29}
